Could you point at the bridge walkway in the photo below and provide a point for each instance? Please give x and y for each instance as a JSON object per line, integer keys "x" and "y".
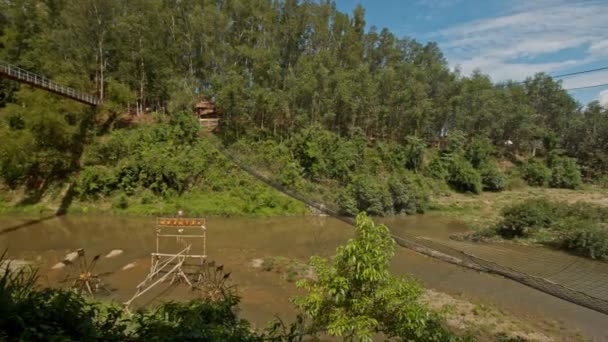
{"x": 20, "y": 75}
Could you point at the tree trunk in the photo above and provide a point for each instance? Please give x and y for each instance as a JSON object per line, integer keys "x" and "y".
{"x": 142, "y": 79}
{"x": 101, "y": 69}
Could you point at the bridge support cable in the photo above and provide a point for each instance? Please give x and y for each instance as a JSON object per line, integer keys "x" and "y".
{"x": 27, "y": 77}
{"x": 441, "y": 251}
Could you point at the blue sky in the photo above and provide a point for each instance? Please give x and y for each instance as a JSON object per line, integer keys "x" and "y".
{"x": 507, "y": 39}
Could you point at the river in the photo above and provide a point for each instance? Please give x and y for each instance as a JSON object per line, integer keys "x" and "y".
{"x": 236, "y": 242}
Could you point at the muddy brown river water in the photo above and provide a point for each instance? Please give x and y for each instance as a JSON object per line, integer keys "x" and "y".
{"x": 236, "y": 242}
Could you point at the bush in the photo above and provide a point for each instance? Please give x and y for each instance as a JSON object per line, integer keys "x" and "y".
{"x": 565, "y": 173}
{"x": 121, "y": 202}
{"x": 515, "y": 179}
{"x": 310, "y": 149}
{"x": 579, "y": 227}
{"x": 290, "y": 176}
{"x": 522, "y": 219}
{"x": 586, "y": 238}
{"x": 437, "y": 168}
{"x": 372, "y": 195}
{"x": 348, "y": 203}
{"x": 456, "y": 142}
{"x": 94, "y": 181}
{"x": 479, "y": 151}
{"x": 32, "y": 314}
{"x": 491, "y": 178}
{"x": 414, "y": 153}
{"x": 585, "y": 211}
{"x": 463, "y": 177}
{"x": 29, "y": 313}
{"x": 409, "y": 194}
{"x": 535, "y": 173}
{"x": 602, "y": 182}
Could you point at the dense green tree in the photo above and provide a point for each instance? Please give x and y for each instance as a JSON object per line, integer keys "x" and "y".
{"x": 355, "y": 296}
{"x": 277, "y": 68}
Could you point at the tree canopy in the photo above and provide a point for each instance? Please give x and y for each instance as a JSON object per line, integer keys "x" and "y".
{"x": 277, "y": 68}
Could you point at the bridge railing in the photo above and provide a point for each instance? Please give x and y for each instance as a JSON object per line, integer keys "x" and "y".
{"x": 16, "y": 73}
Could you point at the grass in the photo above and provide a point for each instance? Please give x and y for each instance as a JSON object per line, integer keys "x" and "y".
{"x": 253, "y": 201}
{"x": 290, "y": 270}
{"x": 488, "y": 322}
{"x": 483, "y": 210}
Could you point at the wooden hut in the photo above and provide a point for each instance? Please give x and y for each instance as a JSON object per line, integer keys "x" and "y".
{"x": 208, "y": 115}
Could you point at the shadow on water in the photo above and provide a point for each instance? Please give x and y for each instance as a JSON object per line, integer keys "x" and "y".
{"x": 25, "y": 224}
{"x": 66, "y": 201}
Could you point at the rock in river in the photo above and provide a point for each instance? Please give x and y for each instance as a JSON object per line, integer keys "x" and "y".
{"x": 114, "y": 253}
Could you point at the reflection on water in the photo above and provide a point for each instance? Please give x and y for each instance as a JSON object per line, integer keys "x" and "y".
{"x": 235, "y": 242}
{"x": 424, "y": 225}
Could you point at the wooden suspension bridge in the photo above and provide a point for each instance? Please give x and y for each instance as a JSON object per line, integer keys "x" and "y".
{"x": 20, "y": 75}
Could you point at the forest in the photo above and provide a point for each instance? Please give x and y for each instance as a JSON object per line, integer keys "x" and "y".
{"x": 318, "y": 102}
{"x": 313, "y": 96}
{"x": 277, "y": 67}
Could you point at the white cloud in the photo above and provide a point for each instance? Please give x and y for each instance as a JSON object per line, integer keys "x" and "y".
{"x": 599, "y": 48}
{"x": 506, "y": 46}
{"x": 603, "y": 98}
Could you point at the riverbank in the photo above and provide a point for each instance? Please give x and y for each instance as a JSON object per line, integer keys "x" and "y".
{"x": 481, "y": 211}
{"x": 464, "y": 315}
{"x": 251, "y": 200}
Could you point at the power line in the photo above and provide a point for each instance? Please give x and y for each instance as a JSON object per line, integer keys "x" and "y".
{"x": 587, "y": 87}
{"x": 579, "y": 72}
{"x": 571, "y": 74}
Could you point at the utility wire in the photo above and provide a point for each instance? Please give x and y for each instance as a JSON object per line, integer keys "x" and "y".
{"x": 587, "y": 87}
{"x": 571, "y": 74}
{"x": 579, "y": 72}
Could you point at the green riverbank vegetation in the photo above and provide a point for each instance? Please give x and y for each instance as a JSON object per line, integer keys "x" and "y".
{"x": 576, "y": 227}
{"x": 354, "y": 118}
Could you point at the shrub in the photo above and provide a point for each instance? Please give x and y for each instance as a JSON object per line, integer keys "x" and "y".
{"x": 515, "y": 179}
{"x": 479, "y": 151}
{"x": 348, "y": 203}
{"x": 585, "y": 238}
{"x": 392, "y": 155}
{"x": 310, "y": 149}
{"x": 29, "y": 313}
{"x": 536, "y": 173}
{"x": 414, "y": 153}
{"x": 342, "y": 158}
{"x": 290, "y": 175}
{"x": 32, "y": 314}
{"x": 491, "y": 178}
{"x": 409, "y": 194}
{"x": 185, "y": 127}
{"x": 522, "y": 219}
{"x": 437, "y": 168}
{"x": 94, "y": 181}
{"x": 121, "y": 202}
{"x": 455, "y": 143}
{"x": 603, "y": 182}
{"x": 585, "y": 211}
{"x": 565, "y": 173}
{"x": 372, "y": 195}
{"x": 463, "y": 177}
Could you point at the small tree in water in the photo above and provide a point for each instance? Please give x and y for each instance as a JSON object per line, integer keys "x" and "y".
{"x": 355, "y": 296}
